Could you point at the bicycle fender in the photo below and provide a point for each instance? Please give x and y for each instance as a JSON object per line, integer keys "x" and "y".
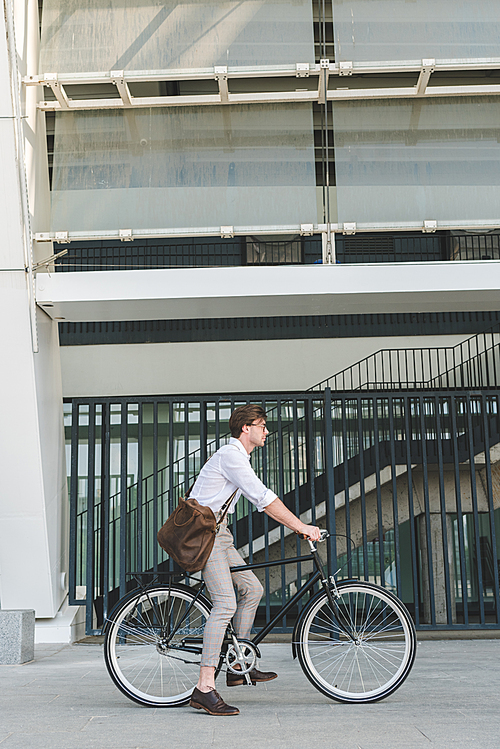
{"x": 133, "y": 593}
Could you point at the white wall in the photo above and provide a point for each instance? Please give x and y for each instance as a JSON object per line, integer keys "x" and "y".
{"x": 218, "y": 367}
{"x": 33, "y": 498}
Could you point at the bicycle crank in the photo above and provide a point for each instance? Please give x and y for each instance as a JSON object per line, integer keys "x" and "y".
{"x": 241, "y": 654}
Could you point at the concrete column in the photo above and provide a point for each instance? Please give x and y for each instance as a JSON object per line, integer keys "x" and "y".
{"x": 438, "y": 571}
{"x": 33, "y": 497}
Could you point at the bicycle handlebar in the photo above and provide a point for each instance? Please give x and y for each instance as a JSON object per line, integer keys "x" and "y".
{"x": 324, "y": 536}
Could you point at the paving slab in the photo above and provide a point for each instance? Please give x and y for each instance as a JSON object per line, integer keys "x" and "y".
{"x": 64, "y": 699}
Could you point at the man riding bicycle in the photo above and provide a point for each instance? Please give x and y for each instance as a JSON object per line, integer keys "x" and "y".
{"x": 228, "y": 470}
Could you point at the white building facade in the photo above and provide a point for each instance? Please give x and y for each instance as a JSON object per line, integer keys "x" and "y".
{"x": 228, "y": 199}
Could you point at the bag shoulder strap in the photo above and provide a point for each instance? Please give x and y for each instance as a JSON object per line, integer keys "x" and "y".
{"x": 224, "y": 510}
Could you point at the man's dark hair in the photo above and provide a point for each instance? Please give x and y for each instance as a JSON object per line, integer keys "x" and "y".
{"x": 245, "y": 415}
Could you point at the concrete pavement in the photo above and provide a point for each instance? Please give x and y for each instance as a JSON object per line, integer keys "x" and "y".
{"x": 64, "y": 699}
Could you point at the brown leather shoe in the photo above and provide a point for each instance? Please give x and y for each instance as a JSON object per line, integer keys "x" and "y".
{"x": 212, "y": 703}
{"x": 233, "y": 680}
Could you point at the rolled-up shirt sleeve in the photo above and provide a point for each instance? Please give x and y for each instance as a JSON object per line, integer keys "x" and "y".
{"x": 236, "y": 468}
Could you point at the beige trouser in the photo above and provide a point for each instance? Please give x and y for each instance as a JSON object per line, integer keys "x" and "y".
{"x": 221, "y": 583}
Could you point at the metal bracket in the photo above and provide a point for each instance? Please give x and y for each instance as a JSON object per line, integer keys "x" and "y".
{"x": 227, "y": 232}
{"x": 221, "y": 78}
{"x": 125, "y": 235}
{"x": 306, "y": 230}
{"x": 428, "y": 67}
{"x": 429, "y": 227}
{"x": 50, "y": 80}
{"x": 62, "y": 237}
{"x": 349, "y": 228}
{"x": 345, "y": 68}
{"x": 49, "y": 260}
{"x": 43, "y": 236}
{"x": 117, "y": 77}
{"x": 323, "y": 79}
{"x": 302, "y": 69}
{"x": 328, "y": 243}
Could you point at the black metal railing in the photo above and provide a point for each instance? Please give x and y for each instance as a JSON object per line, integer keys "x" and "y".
{"x": 195, "y": 253}
{"x": 364, "y": 247}
{"x": 473, "y": 363}
{"x": 411, "y": 477}
{"x": 469, "y": 246}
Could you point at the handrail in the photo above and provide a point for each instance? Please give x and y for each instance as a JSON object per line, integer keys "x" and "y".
{"x": 471, "y": 363}
{"x": 393, "y": 358}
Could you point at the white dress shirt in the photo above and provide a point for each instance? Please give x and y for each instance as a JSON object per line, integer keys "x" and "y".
{"x": 228, "y": 470}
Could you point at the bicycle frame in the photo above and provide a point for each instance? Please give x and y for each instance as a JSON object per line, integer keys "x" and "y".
{"x": 318, "y": 576}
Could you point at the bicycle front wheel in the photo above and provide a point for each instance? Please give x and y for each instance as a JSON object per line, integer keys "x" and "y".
{"x": 153, "y": 645}
{"x": 362, "y": 648}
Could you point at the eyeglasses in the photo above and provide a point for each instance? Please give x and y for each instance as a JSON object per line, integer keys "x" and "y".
{"x": 261, "y": 426}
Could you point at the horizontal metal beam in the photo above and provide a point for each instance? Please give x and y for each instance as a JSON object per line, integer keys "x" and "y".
{"x": 223, "y": 74}
{"x": 186, "y": 293}
{"x": 129, "y": 235}
{"x": 297, "y": 70}
{"x": 184, "y": 74}
{"x": 266, "y": 98}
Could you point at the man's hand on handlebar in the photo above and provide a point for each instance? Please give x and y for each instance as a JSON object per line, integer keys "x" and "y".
{"x": 311, "y": 531}
{"x": 277, "y": 510}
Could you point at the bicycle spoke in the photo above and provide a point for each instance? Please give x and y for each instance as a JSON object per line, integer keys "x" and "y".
{"x": 373, "y": 671}
{"x": 144, "y": 645}
{"x": 363, "y": 649}
{"x": 125, "y": 629}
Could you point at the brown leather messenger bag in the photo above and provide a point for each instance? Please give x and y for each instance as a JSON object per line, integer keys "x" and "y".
{"x": 188, "y": 534}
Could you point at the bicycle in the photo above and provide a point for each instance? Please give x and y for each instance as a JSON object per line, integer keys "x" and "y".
{"x": 355, "y": 641}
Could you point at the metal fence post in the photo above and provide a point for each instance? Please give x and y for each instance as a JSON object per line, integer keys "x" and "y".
{"x": 330, "y": 482}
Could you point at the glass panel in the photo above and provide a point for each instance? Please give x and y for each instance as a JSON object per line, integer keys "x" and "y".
{"x": 401, "y": 30}
{"x": 68, "y": 421}
{"x": 132, "y": 475}
{"x": 412, "y": 160}
{"x": 248, "y": 165}
{"x": 82, "y": 499}
{"x": 163, "y": 460}
{"x": 115, "y": 417}
{"x": 153, "y": 35}
{"x": 148, "y": 448}
{"x": 194, "y": 440}
{"x": 273, "y": 253}
{"x": 99, "y": 509}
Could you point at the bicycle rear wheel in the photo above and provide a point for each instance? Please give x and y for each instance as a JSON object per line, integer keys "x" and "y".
{"x": 153, "y": 644}
{"x": 359, "y": 650}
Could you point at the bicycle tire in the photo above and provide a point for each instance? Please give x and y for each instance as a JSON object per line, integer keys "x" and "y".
{"x": 144, "y": 646}
{"x": 363, "y": 650}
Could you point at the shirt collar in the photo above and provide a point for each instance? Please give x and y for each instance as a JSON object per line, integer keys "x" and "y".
{"x": 235, "y": 441}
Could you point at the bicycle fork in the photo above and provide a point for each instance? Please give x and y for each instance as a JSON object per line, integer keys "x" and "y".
{"x": 332, "y": 592}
